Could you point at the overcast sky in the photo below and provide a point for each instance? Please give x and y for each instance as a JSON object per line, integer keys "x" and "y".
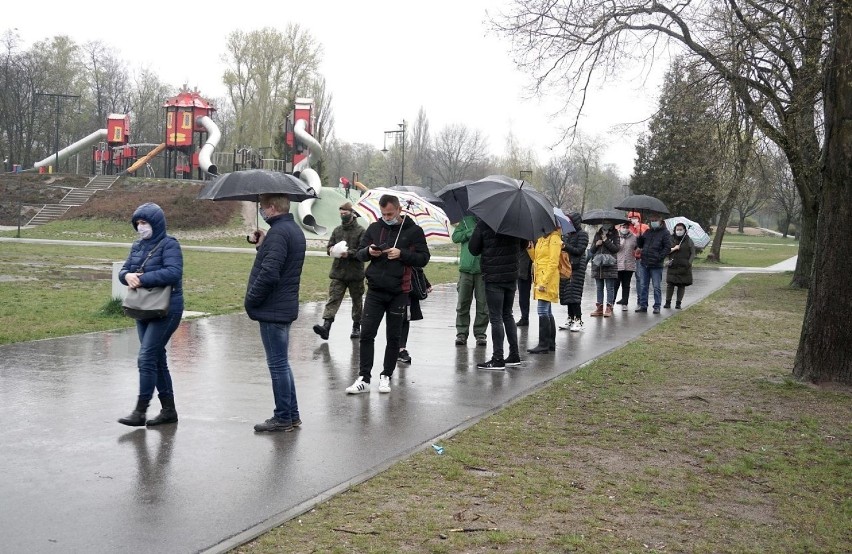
{"x": 383, "y": 60}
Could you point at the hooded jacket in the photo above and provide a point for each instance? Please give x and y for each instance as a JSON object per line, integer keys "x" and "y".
{"x": 393, "y": 276}
{"x": 640, "y": 227}
{"x": 468, "y": 263}
{"x": 165, "y": 266}
{"x": 545, "y": 256}
{"x": 349, "y": 268}
{"x": 272, "y": 293}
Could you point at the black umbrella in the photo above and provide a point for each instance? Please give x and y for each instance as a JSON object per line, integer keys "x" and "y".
{"x": 422, "y": 192}
{"x": 597, "y": 217}
{"x": 251, "y": 183}
{"x": 455, "y": 200}
{"x": 510, "y": 208}
{"x": 643, "y": 203}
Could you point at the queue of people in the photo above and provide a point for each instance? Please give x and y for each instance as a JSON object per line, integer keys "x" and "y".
{"x": 492, "y": 268}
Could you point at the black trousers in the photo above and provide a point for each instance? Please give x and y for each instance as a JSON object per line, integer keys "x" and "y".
{"x": 624, "y": 278}
{"x": 524, "y": 289}
{"x": 378, "y": 305}
{"x": 500, "y": 298}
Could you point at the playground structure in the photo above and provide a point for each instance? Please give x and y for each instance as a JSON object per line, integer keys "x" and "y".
{"x": 188, "y": 116}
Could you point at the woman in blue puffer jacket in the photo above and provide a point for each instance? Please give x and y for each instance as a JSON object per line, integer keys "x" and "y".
{"x": 164, "y": 266}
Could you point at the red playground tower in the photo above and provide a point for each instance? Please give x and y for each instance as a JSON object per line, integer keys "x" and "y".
{"x": 183, "y": 133}
{"x": 115, "y": 154}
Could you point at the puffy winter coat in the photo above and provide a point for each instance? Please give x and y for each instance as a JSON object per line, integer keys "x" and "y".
{"x": 545, "y": 257}
{"x": 272, "y": 294}
{"x": 571, "y": 290}
{"x": 393, "y": 276}
{"x": 165, "y": 266}
{"x": 498, "y": 254}
{"x": 680, "y": 270}
{"x": 655, "y": 245}
{"x": 349, "y": 268}
{"x": 625, "y": 257}
{"x": 468, "y": 263}
{"x": 610, "y": 246}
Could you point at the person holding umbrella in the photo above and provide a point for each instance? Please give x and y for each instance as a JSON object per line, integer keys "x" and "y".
{"x": 470, "y": 286}
{"x": 393, "y": 245}
{"x": 605, "y": 242}
{"x": 653, "y": 247}
{"x": 272, "y": 299}
{"x": 679, "y": 273}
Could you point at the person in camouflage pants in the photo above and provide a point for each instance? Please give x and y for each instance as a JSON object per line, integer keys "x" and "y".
{"x": 347, "y": 273}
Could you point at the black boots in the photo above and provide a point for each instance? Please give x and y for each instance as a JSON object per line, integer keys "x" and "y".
{"x": 167, "y": 415}
{"x": 543, "y": 336}
{"x": 552, "y": 343}
{"x": 523, "y": 322}
{"x": 356, "y": 331}
{"x": 322, "y": 330}
{"x": 137, "y": 416}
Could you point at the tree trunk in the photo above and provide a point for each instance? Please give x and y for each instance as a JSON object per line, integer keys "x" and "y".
{"x": 825, "y": 346}
{"x": 741, "y": 224}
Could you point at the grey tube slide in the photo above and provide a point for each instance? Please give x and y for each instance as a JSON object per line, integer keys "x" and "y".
{"x": 94, "y": 138}
{"x": 213, "y": 136}
{"x": 310, "y": 176}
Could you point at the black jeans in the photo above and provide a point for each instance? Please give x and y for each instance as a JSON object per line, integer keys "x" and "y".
{"x": 574, "y": 311}
{"x": 500, "y": 298}
{"x": 377, "y": 305}
{"x": 624, "y": 278}
{"x": 524, "y": 288}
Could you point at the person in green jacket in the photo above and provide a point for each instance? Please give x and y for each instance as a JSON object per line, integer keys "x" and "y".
{"x": 347, "y": 273}
{"x": 470, "y": 286}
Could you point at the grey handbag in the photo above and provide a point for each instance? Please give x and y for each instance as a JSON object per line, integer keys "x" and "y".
{"x": 147, "y": 303}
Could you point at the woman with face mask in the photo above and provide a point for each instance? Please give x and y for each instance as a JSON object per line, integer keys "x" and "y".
{"x": 679, "y": 273}
{"x": 605, "y": 241}
{"x": 163, "y": 265}
{"x": 626, "y": 264}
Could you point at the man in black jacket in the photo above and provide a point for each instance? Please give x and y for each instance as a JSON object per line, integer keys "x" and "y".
{"x": 655, "y": 245}
{"x": 272, "y": 299}
{"x": 499, "y": 264}
{"x": 392, "y": 245}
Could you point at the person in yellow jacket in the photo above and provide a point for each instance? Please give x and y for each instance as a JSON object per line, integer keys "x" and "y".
{"x": 545, "y": 256}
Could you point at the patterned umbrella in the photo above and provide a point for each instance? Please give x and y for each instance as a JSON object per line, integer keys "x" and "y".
{"x": 699, "y": 236}
{"x": 433, "y": 221}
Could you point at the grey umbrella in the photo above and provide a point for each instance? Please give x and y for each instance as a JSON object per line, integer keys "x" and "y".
{"x": 455, "y": 200}
{"x": 597, "y": 217}
{"x": 643, "y": 203}
{"x": 251, "y": 183}
{"x": 510, "y": 208}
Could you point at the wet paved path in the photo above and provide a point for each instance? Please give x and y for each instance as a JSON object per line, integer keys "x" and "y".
{"x": 74, "y": 480}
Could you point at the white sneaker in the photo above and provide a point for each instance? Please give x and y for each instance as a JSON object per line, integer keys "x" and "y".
{"x": 384, "y": 383}
{"x": 567, "y": 325}
{"x": 358, "y": 387}
{"x": 577, "y": 326}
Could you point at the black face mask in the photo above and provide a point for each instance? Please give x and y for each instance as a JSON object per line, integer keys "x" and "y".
{"x": 346, "y": 218}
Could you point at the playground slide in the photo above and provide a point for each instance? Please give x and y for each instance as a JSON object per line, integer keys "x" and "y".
{"x": 213, "y": 136}
{"x": 310, "y": 176}
{"x": 145, "y": 159}
{"x": 94, "y": 138}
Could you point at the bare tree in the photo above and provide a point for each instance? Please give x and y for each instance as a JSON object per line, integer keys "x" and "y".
{"x": 421, "y": 151}
{"x": 558, "y": 183}
{"x": 774, "y": 63}
{"x": 459, "y": 152}
{"x": 824, "y": 353}
{"x": 107, "y": 77}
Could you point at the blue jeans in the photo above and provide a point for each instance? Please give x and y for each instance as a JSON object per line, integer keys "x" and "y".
{"x": 154, "y": 334}
{"x": 647, "y": 275}
{"x": 500, "y": 298}
{"x": 610, "y": 290}
{"x": 543, "y": 308}
{"x": 276, "y": 340}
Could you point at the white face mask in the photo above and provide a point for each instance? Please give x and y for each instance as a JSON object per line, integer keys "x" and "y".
{"x": 679, "y": 232}
{"x": 634, "y": 220}
{"x": 144, "y": 230}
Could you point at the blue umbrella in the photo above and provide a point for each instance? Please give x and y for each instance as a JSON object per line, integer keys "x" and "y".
{"x": 564, "y": 221}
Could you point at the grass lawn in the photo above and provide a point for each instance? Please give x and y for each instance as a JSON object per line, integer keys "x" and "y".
{"x": 690, "y": 439}
{"x": 751, "y": 251}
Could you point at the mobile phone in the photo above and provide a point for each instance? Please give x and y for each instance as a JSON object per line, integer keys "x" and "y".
{"x": 380, "y": 247}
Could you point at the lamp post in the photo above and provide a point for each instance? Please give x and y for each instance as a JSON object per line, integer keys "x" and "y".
{"x": 385, "y": 148}
{"x": 56, "y": 112}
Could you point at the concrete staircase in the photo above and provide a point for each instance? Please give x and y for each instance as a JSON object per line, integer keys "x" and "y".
{"x": 75, "y": 197}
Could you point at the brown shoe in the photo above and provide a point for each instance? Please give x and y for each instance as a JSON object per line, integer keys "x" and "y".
{"x": 598, "y": 311}
{"x": 608, "y": 311}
